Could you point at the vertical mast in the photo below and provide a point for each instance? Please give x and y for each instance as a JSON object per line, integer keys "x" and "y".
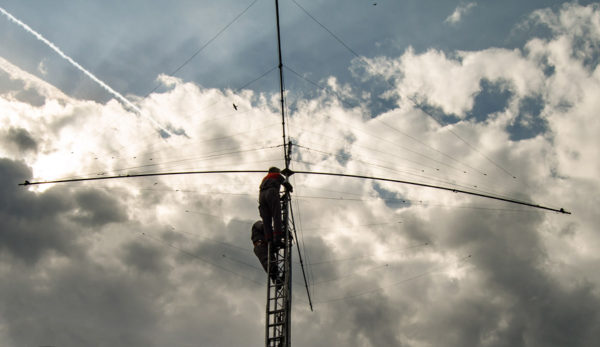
{"x": 281, "y": 91}
{"x": 279, "y": 292}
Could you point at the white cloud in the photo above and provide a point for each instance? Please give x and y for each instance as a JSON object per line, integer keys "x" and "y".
{"x": 42, "y": 67}
{"x": 459, "y": 12}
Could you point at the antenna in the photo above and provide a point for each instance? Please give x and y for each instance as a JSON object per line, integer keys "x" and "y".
{"x": 279, "y": 297}
{"x": 281, "y": 86}
{"x": 279, "y": 293}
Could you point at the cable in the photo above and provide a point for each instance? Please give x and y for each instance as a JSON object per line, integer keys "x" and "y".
{"x": 333, "y": 279}
{"x": 393, "y": 143}
{"x": 213, "y": 139}
{"x": 220, "y": 117}
{"x": 426, "y": 145}
{"x": 256, "y": 79}
{"x": 208, "y": 156}
{"x": 306, "y": 284}
{"x": 462, "y": 139}
{"x": 310, "y": 272}
{"x": 396, "y": 145}
{"x": 377, "y": 137}
{"x": 379, "y": 289}
{"x": 368, "y": 163}
{"x": 206, "y": 44}
{"x": 415, "y": 104}
{"x": 329, "y": 31}
{"x": 432, "y": 179}
{"x": 329, "y": 261}
{"x": 238, "y": 90}
{"x": 438, "y": 187}
{"x": 200, "y": 258}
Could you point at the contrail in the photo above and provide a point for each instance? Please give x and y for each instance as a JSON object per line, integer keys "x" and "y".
{"x": 82, "y": 69}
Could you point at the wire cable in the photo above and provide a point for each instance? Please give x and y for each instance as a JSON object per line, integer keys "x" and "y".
{"x": 206, "y": 44}
{"x": 329, "y": 261}
{"x": 461, "y": 138}
{"x": 377, "y": 137}
{"x": 190, "y": 254}
{"x": 361, "y": 59}
{"x": 379, "y": 289}
{"x": 432, "y": 179}
{"x": 326, "y": 29}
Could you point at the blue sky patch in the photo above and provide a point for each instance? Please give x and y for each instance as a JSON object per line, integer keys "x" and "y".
{"x": 528, "y": 123}
{"x": 438, "y": 114}
{"x": 494, "y": 97}
{"x": 391, "y": 199}
{"x": 342, "y": 157}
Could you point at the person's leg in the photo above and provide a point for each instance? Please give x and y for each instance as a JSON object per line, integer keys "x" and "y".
{"x": 265, "y": 214}
{"x": 262, "y": 253}
{"x": 275, "y": 211}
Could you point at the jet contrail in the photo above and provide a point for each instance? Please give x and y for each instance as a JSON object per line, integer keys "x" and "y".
{"x": 82, "y": 69}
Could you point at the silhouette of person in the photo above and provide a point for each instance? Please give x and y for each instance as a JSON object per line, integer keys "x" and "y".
{"x": 261, "y": 249}
{"x": 269, "y": 205}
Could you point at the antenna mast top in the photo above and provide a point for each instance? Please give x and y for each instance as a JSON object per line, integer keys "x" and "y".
{"x": 281, "y": 89}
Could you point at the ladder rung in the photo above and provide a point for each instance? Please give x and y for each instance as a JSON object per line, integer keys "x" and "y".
{"x": 275, "y": 324}
{"x": 276, "y": 311}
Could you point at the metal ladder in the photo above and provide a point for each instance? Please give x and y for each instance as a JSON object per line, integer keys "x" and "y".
{"x": 279, "y": 294}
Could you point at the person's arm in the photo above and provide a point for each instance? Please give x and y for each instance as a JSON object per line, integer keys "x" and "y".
{"x": 287, "y": 185}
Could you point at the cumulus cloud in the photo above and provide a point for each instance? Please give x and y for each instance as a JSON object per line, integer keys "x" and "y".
{"x": 168, "y": 261}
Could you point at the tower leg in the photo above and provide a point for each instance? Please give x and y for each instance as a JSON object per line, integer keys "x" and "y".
{"x": 279, "y": 292}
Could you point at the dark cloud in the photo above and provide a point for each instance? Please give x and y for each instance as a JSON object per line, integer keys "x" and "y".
{"x": 34, "y": 223}
{"x": 63, "y": 293}
{"x": 96, "y": 208}
{"x": 375, "y": 321}
{"x": 146, "y": 258}
{"x": 414, "y": 229}
{"x": 30, "y": 223}
{"x": 511, "y": 265}
{"x": 81, "y": 303}
{"x": 20, "y": 139}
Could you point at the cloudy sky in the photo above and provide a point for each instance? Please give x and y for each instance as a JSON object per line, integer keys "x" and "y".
{"x": 494, "y": 97}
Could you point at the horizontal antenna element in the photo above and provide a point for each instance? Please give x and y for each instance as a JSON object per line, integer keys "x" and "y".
{"x": 454, "y": 190}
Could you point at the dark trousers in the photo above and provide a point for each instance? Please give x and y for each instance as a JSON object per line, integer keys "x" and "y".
{"x": 269, "y": 208}
{"x": 262, "y": 253}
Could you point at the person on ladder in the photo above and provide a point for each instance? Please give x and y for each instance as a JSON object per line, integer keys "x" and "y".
{"x": 261, "y": 250}
{"x": 269, "y": 205}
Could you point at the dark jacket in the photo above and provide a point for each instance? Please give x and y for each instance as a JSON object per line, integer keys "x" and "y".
{"x": 274, "y": 180}
{"x": 258, "y": 233}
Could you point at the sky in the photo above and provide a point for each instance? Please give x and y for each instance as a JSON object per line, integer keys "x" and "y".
{"x": 491, "y": 97}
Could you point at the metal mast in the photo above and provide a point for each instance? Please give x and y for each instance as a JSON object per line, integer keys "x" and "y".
{"x": 279, "y": 293}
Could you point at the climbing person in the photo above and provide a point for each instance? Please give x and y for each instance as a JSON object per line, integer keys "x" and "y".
{"x": 261, "y": 249}
{"x": 269, "y": 205}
